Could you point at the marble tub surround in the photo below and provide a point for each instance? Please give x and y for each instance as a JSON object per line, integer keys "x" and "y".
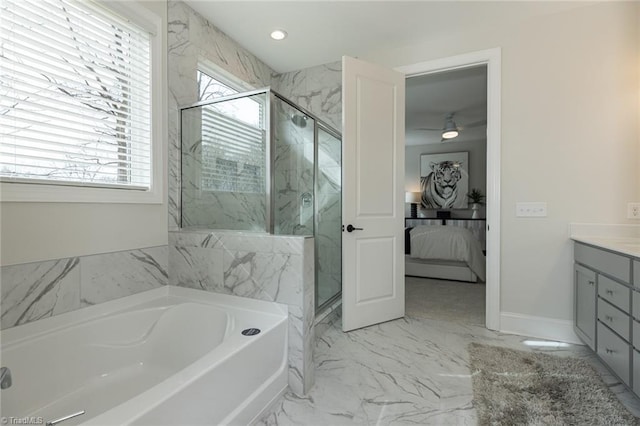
{"x": 37, "y": 290}
{"x": 258, "y": 266}
{"x": 624, "y": 239}
{"x": 409, "y": 371}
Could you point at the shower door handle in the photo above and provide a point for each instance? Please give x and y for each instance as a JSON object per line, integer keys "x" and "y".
{"x": 351, "y": 228}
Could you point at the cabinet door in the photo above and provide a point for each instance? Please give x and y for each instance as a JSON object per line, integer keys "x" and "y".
{"x": 585, "y": 305}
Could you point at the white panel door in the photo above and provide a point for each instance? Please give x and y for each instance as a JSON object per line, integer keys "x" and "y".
{"x": 372, "y": 193}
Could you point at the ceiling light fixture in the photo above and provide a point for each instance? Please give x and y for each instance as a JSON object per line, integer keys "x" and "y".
{"x": 278, "y": 34}
{"x": 450, "y": 130}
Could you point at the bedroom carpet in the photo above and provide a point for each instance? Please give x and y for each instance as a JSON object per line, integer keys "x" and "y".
{"x": 512, "y": 387}
{"x": 445, "y": 300}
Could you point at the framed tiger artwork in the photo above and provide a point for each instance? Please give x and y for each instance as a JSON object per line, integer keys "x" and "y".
{"x": 444, "y": 180}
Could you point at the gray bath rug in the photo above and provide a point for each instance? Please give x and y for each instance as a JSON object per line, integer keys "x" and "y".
{"x": 513, "y": 387}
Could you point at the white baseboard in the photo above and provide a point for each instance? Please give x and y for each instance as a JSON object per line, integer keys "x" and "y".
{"x": 539, "y": 327}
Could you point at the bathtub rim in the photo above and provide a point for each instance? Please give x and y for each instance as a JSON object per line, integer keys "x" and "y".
{"x": 34, "y": 329}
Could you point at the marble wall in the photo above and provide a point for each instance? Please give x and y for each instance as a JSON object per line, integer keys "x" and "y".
{"x": 37, "y": 290}
{"x": 316, "y": 89}
{"x": 259, "y": 266}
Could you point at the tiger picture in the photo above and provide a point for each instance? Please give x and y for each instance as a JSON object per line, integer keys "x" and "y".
{"x": 445, "y": 186}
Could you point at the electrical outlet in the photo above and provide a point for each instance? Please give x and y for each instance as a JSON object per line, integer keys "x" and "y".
{"x": 633, "y": 210}
{"x": 531, "y": 209}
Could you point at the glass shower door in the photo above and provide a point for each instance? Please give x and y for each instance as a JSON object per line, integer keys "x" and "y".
{"x": 328, "y": 218}
{"x": 293, "y": 170}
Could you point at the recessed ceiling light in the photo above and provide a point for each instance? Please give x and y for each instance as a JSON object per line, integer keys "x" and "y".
{"x": 278, "y": 34}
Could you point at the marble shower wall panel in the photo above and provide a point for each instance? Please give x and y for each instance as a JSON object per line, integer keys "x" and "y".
{"x": 317, "y": 89}
{"x": 259, "y": 266}
{"x": 192, "y": 39}
{"x": 219, "y": 210}
{"x": 39, "y": 290}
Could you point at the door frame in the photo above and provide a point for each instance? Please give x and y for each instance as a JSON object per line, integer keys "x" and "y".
{"x": 492, "y": 59}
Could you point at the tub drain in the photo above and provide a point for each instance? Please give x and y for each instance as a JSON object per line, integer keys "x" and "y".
{"x": 250, "y": 331}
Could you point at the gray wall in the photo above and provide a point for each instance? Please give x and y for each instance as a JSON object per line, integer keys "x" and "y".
{"x": 570, "y": 131}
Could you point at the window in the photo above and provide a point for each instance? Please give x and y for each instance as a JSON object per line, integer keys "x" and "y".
{"x": 233, "y": 139}
{"x": 75, "y": 96}
{"x": 210, "y": 88}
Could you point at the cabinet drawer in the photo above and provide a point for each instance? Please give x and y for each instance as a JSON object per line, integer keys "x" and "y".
{"x": 636, "y": 304}
{"x": 614, "y": 319}
{"x": 610, "y": 263}
{"x": 636, "y": 372}
{"x": 614, "y": 352}
{"x": 636, "y": 273}
{"x": 636, "y": 337}
{"x": 615, "y": 293}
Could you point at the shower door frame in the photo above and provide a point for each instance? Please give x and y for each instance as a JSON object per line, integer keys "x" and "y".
{"x": 318, "y": 123}
{"x": 271, "y": 96}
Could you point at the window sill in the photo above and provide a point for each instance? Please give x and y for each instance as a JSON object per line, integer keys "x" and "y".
{"x": 35, "y": 193}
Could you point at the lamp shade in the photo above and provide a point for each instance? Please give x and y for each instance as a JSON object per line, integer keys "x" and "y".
{"x": 449, "y": 134}
{"x": 413, "y": 197}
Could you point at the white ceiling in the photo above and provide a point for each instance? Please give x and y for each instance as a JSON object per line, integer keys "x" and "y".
{"x": 323, "y": 31}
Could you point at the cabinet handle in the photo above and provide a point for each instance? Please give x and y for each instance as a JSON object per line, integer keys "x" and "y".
{"x": 592, "y": 283}
{"x": 610, "y": 292}
{"x": 609, "y": 351}
{"x": 608, "y": 318}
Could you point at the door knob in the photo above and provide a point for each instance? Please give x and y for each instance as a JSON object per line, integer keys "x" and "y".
{"x": 351, "y": 228}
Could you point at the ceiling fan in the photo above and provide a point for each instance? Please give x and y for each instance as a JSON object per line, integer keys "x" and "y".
{"x": 451, "y": 130}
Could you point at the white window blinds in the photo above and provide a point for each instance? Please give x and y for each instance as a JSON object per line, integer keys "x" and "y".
{"x": 233, "y": 153}
{"x": 74, "y": 95}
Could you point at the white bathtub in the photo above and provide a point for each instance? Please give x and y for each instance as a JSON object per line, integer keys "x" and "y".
{"x": 171, "y": 356}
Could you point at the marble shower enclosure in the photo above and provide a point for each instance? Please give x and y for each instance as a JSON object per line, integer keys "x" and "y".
{"x": 197, "y": 262}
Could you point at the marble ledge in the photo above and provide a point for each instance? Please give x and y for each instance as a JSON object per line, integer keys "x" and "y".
{"x": 238, "y": 241}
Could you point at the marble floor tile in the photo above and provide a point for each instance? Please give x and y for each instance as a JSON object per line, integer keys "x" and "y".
{"x": 410, "y": 371}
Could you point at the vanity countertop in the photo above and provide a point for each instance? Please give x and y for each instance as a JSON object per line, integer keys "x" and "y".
{"x": 624, "y": 245}
{"x": 624, "y": 239}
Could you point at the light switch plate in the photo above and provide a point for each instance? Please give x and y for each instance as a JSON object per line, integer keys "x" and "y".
{"x": 535, "y": 209}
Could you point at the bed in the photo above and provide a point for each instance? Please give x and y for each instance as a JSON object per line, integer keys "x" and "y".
{"x": 443, "y": 252}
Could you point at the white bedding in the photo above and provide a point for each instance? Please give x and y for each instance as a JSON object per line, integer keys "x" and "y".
{"x": 448, "y": 243}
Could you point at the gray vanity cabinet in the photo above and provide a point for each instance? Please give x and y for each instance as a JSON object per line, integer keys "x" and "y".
{"x": 604, "y": 313}
{"x": 585, "y": 305}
